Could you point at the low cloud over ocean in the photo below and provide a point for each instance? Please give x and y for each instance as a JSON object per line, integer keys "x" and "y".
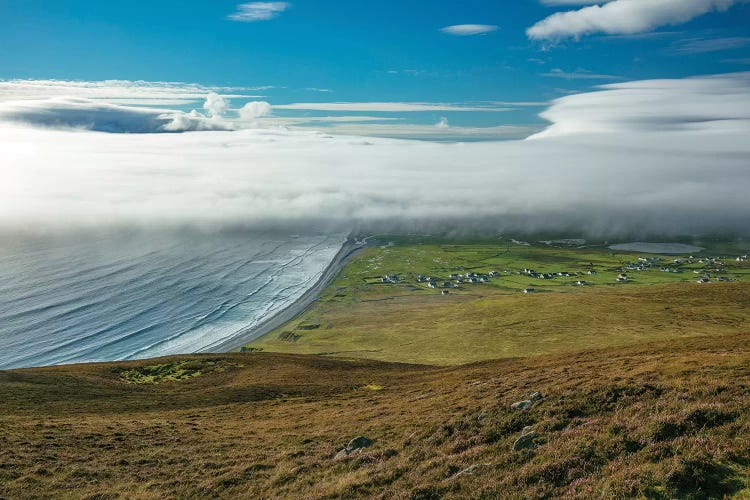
{"x": 666, "y": 156}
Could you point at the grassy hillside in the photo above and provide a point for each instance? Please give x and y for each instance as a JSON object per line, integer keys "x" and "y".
{"x": 662, "y": 420}
{"x": 407, "y": 321}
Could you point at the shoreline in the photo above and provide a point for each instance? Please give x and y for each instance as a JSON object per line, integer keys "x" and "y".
{"x": 350, "y": 248}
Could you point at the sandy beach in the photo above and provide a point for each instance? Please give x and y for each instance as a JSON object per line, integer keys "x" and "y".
{"x": 350, "y": 248}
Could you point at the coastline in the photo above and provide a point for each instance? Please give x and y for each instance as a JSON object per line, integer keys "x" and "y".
{"x": 348, "y": 250}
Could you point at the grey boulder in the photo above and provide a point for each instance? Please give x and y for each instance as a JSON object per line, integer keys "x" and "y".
{"x": 357, "y": 444}
{"x": 526, "y": 440}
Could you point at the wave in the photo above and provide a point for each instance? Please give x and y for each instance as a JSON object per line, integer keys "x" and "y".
{"x": 116, "y": 297}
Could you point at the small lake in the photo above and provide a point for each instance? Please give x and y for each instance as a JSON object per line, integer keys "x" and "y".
{"x": 658, "y": 248}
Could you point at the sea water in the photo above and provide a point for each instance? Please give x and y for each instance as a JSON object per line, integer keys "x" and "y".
{"x": 106, "y": 297}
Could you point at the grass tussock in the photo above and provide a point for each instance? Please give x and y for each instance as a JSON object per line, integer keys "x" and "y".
{"x": 657, "y": 420}
{"x": 175, "y": 371}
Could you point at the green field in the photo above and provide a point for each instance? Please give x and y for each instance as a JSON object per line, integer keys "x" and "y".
{"x": 407, "y": 321}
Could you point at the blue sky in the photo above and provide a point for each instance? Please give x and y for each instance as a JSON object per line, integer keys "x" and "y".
{"x": 363, "y": 51}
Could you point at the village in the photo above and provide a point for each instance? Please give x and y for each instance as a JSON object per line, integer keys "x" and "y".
{"x": 709, "y": 269}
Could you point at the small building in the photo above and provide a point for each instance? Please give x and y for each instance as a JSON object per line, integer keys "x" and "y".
{"x": 444, "y": 292}
{"x": 581, "y": 283}
{"x": 529, "y": 290}
{"x": 704, "y": 280}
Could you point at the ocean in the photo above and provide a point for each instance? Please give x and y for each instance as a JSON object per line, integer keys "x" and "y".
{"x": 119, "y": 296}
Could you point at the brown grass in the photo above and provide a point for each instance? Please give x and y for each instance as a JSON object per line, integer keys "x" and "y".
{"x": 658, "y": 420}
{"x": 460, "y": 329}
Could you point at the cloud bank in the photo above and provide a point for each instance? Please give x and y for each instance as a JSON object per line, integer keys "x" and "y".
{"x": 386, "y": 107}
{"x": 663, "y": 156}
{"x": 228, "y": 109}
{"x": 623, "y": 17}
{"x": 703, "y": 105}
{"x": 98, "y": 116}
{"x": 86, "y": 114}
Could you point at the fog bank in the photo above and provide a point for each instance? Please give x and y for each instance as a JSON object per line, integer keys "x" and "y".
{"x": 667, "y": 156}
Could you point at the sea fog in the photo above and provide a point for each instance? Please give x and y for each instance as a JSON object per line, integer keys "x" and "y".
{"x": 130, "y": 295}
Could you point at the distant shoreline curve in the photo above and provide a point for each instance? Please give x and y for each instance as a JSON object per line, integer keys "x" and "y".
{"x": 350, "y": 248}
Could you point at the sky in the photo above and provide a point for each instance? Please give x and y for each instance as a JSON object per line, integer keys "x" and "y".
{"x": 609, "y": 118}
{"x": 510, "y": 57}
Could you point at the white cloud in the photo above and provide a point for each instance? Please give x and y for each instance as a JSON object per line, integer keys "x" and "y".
{"x": 579, "y": 74}
{"x": 668, "y": 156}
{"x": 125, "y": 91}
{"x": 521, "y": 104}
{"x": 95, "y": 115}
{"x": 254, "y": 110}
{"x": 385, "y": 107}
{"x": 215, "y": 105}
{"x": 469, "y": 29}
{"x": 703, "y": 104}
{"x": 87, "y": 114}
{"x": 409, "y": 131}
{"x": 258, "y": 11}
{"x": 311, "y": 120}
{"x": 624, "y": 17}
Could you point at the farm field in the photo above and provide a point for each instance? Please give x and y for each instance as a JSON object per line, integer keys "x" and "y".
{"x": 407, "y": 321}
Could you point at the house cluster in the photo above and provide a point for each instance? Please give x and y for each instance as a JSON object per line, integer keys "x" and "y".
{"x": 643, "y": 264}
{"x": 390, "y": 278}
{"x": 742, "y": 258}
{"x": 707, "y": 279}
{"x": 544, "y": 276}
{"x": 710, "y": 264}
{"x": 458, "y": 279}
